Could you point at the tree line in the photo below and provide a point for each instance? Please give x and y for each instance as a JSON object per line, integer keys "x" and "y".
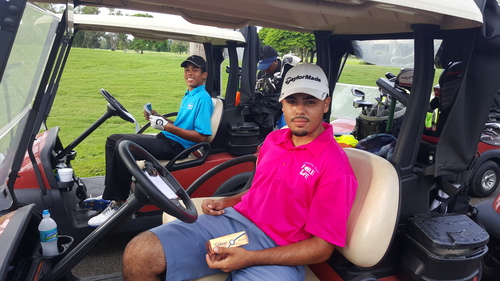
{"x": 117, "y": 41}
{"x": 300, "y": 44}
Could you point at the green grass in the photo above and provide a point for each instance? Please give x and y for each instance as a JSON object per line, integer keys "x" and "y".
{"x": 133, "y": 79}
{"x": 358, "y": 73}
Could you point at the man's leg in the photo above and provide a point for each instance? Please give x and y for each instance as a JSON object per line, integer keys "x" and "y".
{"x": 118, "y": 178}
{"x": 144, "y": 259}
{"x": 184, "y": 249}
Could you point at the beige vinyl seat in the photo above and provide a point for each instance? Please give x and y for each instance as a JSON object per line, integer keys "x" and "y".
{"x": 373, "y": 217}
{"x": 214, "y": 125}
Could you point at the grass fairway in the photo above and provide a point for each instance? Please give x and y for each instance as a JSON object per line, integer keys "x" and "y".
{"x": 133, "y": 79}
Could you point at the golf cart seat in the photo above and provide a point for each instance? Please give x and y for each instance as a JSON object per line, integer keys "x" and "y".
{"x": 195, "y": 150}
{"x": 373, "y": 217}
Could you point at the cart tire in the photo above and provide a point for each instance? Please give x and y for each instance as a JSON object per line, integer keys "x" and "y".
{"x": 490, "y": 263}
{"x": 485, "y": 180}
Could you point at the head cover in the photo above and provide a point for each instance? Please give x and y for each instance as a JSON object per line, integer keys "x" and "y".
{"x": 196, "y": 60}
{"x": 305, "y": 78}
{"x": 268, "y": 55}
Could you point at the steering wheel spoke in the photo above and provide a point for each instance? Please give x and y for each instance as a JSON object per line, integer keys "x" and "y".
{"x": 163, "y": 190}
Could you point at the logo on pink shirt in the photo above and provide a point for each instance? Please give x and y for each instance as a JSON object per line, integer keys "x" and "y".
{"x": 307, "y": 171}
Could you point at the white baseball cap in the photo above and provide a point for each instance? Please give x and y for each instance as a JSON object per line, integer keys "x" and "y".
{"x": 305, "y": 78}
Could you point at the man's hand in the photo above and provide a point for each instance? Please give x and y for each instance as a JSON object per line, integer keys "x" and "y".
{"x": 147, "y": 114}
{"x": 157, "y": 122}
{"x": 228, "y": 259}
{"x": 213, "y": 207}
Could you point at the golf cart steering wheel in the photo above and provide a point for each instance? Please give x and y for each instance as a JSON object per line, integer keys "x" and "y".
{"x": 147, "y": 191}
{"x": 116, "y": 107}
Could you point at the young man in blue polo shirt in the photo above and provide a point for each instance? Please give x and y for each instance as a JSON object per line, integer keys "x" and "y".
{"x": 191, "y": 126}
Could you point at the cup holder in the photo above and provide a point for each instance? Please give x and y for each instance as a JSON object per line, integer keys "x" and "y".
{"x": 64, "y": 242}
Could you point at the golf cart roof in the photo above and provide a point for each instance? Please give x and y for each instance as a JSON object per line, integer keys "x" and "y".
{"x": 339, "y": 16}
{"x": 171, "y": 27}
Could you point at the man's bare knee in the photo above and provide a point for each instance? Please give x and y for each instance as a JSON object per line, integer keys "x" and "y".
{"x": 143, "y": 258}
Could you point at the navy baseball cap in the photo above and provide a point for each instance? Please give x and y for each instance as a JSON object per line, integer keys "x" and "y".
{"x": 269, "y": 55}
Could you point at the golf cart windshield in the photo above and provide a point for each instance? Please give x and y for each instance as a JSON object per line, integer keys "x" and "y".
{"x": 19, "y": 83}
{"x": 393, "y": 53}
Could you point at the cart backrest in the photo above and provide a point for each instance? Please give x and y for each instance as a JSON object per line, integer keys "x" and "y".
{"x": 374, "y": 214}
{"x": 216, "y": 117}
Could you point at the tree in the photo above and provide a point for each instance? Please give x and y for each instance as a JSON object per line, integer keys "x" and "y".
{"x": 113, "y": 39}
{"x": 284, "y": 42}
{"x": 57, "y": 9}
{"x": 139, "y": 45}
{"x": 87, "y": 10}
{"x": 87, "y": 39}
{"x": 146, "y": 15}
{"x": 123, "y": 41}
{"x": 179, "y": 47}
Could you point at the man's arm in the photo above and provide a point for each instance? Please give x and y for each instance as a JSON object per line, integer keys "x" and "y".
{"x": 309, "y": 251}
{"x": 190, "y": 135}
{"x": 215, "y": 207}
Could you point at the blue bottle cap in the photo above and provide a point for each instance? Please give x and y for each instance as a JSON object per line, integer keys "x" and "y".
{"x": 45, "y": 212}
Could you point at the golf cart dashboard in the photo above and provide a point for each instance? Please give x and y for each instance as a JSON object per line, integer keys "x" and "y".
{"x": 19, "y": 240}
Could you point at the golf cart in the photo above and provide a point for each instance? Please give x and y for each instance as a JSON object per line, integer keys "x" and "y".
{"x": 392, "y": 233}
{"x": 39, "y": 184}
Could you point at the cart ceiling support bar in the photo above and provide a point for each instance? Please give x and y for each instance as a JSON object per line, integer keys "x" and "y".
{"x": 406, "y": 155}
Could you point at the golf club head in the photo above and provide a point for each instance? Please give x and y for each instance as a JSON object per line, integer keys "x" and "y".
{"x": 358, "y": 93}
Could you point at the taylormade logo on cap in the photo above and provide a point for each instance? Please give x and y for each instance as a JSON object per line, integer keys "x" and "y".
{"x": 305, "y": 78}
{"x": 292, "y": 79}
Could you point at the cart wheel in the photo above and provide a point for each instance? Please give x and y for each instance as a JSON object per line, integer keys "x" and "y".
{"x": 485, "y": 180}
{"x": 490, "y": 263}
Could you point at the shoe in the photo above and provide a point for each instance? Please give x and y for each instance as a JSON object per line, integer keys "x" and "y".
{"x": 104, "y": 216}
{"x": 95, "y": 203}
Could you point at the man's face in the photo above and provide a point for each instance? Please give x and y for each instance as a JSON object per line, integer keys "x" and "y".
{"x": 193, "y": 76}
{"x": 272, "y": 68}
{"x": 304, "y": 114}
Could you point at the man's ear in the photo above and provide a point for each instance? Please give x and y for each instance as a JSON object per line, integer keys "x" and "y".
{"x": 327, "y": 104}
{"x": 205, "y": 75}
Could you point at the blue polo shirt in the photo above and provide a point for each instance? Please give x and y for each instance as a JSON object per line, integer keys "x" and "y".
{"x": 194, "y": 114}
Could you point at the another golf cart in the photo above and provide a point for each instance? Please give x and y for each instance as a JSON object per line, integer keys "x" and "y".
{"x": 419, "y": 245}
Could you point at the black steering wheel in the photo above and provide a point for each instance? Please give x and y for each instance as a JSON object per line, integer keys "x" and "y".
{"x": 146, "y": 190}
{"x": 116, "y": 107}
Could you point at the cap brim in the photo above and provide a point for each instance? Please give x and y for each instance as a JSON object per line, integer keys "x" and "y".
{"x": 306, "y": 90}
{"x": 264, "y": 65}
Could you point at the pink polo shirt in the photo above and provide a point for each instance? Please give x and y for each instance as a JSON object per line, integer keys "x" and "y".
{"x": 301, "y": 191}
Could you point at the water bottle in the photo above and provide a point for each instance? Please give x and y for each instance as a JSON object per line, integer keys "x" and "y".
{"x": 48, "y": 235}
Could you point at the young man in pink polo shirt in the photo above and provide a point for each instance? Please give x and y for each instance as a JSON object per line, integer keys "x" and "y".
{"x": 294, "y": 214}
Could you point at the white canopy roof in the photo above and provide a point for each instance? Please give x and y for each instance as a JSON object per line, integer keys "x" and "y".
{"x": 158, "y": 29}
{"x": 339, "y": 16}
